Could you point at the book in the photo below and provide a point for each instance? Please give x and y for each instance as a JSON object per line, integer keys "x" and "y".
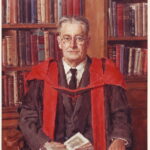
{"x": 78, "y": 141}
{"x": 69, "y": 7}
{"x": 76, "y": 7}
{"x": 120, "y": 28}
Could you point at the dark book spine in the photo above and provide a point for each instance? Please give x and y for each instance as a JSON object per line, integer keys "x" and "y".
{"x": 27, "y": 5}
{"x": 114, "y": 18}
{"x": 22, "y": 47}
{"x": 52, "y": 12}
{"x": 33, "y": 11}
{"x": 52, "y": 44}
{"x": 3, "y": 11}
{"x": 126, "y": 61}
{"x": 34, "y": 50}
{"x": 10, "y": 91}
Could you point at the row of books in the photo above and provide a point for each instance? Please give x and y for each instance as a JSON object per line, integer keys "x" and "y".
{"x": 129, "y": 19}
{"x": 29, "y": 47}
{"x": 39, "y": 11}
{"x": 12, "y": 88}
{"x": 130, "y": 60}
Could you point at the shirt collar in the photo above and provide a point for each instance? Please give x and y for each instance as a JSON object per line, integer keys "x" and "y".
{"x": 78, "y": 67}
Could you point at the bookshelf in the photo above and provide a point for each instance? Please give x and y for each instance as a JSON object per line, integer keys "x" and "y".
{"x": 100, "y": 41}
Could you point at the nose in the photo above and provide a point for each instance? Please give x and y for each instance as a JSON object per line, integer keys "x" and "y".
{"x": 73, "y": 43}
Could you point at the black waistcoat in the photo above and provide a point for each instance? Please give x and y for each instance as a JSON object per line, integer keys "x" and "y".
{"x": 68, "y": 120}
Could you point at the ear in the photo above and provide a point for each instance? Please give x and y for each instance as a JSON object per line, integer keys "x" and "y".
{"x": 59, "y": 42}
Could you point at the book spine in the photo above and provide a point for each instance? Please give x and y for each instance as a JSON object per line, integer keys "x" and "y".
{"x": 43, "y": 11}
{"x": 118, "y": 55}
{"x": 13, "y": 10}
{"x": 34, "y": 49}
{"x": 22, "y": 48}
{"x": 144, "y": 19}
{"x": 114, "y": 17}
{"x": 9, "y": 50}
{"x": 76, "y": 7}
{"x": 41, "y": 55}
{"x": 120, "y": 19}
{"x": 33, "y": 11}
{"x": 46, "y": 44}
{"x": 59, "y": 8}
{"x": 52, "y": 44}
{"x": 47, "y": 11}
{"x": 64, "y": 7}
{"x": 69, "y": 7}
{"x": 8, "y": 11}
{"x": 28, "y": 47}
{"x": 39, "y": 11}
{"x": 3, "y": 11}
{"x": 4, "y": 52}
{"x": 55, "y": 3}
{"x": 52, "y": 12}
{"x": 10, "y": 91}
{"x": 5, "y": 91}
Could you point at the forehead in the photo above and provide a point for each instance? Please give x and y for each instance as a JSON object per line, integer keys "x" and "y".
{"x": 74, "y": 28}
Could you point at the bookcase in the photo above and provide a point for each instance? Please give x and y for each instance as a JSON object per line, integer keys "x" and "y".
{"x": 16, "y": 30}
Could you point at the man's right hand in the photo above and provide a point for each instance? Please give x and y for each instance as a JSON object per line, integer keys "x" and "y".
{"x": 54, "y": 146}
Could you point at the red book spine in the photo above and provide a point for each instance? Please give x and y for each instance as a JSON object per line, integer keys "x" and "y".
{"x": 76, "y": 7}
{"x": 64, "y": 7}
{"x": 4, "y": 52}
{"x": 144, "y": 61}
{"x": 120, "y": 8}
{"x": 69, "y": 7}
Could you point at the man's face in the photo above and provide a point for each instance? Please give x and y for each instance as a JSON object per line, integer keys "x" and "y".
{"x": 74, "y": 42}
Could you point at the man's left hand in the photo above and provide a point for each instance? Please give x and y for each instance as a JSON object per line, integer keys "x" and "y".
{"x": 117, "y": 144}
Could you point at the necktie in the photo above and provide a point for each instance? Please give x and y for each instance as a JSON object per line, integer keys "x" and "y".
{"x": 73, "y": 85}
{"x": 73, "y": 81}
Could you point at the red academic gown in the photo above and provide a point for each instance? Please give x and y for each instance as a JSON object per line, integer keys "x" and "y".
{"x": 98, "y": 78}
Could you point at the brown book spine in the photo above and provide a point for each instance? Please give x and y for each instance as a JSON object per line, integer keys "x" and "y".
{"x": 34, "y": 50}
{"x": 4, "y": 52}
{"x": 55, "y": 3}
{"x": 13, "y": 9}
{"x": 47, "y": 11}
{"x": 52, "y": 44}
{"x": 4, "y": 91}
{"x": 144, "y": 66}
{"x": 10, "y": 91}
{"x": 46, "y": 44}
{"x": 39, "y": 11}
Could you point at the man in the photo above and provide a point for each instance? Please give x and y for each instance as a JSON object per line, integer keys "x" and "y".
{"x": 75, "y": 94}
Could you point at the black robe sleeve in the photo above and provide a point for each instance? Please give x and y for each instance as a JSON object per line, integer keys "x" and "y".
{"x": 30, "y": 116}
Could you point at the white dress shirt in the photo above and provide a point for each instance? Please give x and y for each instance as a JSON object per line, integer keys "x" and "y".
{"x": 80, "y": 69}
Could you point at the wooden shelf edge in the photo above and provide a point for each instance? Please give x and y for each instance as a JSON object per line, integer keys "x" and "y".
{"x": 9, "y": 109}
{"x": 28, "y": 26}
{"x": 26, "y": 68}
{"x": 131, "y": 38}
{"x": 136, "y": 78}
